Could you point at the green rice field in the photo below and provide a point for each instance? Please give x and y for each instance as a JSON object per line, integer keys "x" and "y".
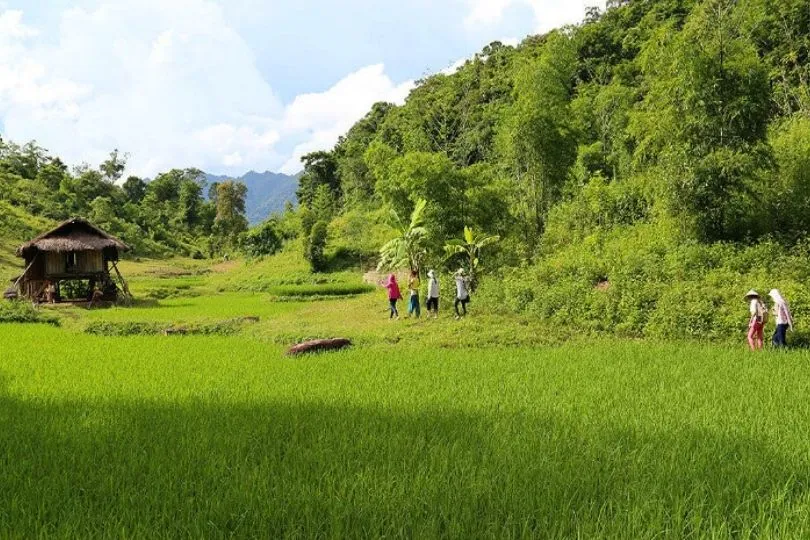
{"x": 216, "y": 437}
{"x": 482, "y": 428}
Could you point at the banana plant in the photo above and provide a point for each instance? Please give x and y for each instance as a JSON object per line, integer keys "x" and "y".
{"x": 470, "y": 248}
{"x": 408, "y": 248}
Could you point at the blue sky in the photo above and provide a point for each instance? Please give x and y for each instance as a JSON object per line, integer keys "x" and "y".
{"x": 230, "y": 86}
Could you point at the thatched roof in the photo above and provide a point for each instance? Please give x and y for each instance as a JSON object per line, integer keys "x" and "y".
{"x": 75, "y": 234}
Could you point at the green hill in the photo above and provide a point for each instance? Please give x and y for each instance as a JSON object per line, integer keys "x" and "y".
{"x": 16, "y": 226}
{"x": 643, "y": 169}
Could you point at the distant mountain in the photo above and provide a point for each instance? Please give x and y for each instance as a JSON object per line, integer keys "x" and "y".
{"x": 267, "y": 192}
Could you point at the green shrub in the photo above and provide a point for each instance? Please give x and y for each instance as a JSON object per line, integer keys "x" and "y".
{"x": 23, "y": 312}
{"x": 262, "y": 240}
{"x": 325, "y": 290}
{"x": 647, "y": 281}
{"x": 316, "y": 247}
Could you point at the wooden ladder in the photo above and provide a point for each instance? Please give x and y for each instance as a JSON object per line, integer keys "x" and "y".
{"x": 124, "y": 286}
{"x": 25, "y": 272}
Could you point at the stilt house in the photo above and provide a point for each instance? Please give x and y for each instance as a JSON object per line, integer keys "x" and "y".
{"x": 75, "y": 251}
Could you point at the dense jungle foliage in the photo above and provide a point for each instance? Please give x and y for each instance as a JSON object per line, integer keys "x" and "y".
{"x": 643, "y": 169}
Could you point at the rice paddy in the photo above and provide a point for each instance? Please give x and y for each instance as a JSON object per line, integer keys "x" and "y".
{"x": 476, "y": 428}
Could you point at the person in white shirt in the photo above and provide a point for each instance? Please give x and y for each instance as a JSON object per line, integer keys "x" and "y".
{"x": 433, "y": 294}
{"x": 784, "y": 319}
{"x": 462, "y": 293}
{"x": 756, "y": 323}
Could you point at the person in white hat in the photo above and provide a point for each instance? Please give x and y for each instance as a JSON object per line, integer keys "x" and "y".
{"x": 756, "y": 324}
{"x": 462, "y": 293}
{"x": 784, "y": 319}
{"x": 433, "y": 294}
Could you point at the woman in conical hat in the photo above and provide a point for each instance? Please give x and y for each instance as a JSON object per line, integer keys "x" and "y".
{"x": 756, "y": 324}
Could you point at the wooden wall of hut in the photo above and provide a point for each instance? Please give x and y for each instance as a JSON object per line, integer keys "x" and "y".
{"x": 80, "y": 262}
{"x": 55, "y": 264}
{"x": 90, "y": 262}
{"x": 36, "y": 272}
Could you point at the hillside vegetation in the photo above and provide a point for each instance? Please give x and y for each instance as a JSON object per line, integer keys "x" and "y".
{"x": 643, "y": 170}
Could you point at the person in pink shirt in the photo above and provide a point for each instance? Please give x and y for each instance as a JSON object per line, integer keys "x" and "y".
{"x": 756, "y": 324}
{"x": 394, "y": 294}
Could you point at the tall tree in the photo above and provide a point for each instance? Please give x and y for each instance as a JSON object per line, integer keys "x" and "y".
{"x": 704, "y": 120}
{"x": 538, "y": 142}
{"x": 230, "y": 219}
{"x": 320, "y": 168}
{"x": 113, "y": 167}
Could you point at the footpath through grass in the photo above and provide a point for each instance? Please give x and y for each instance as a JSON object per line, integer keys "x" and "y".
{"x": 215, "y": 436}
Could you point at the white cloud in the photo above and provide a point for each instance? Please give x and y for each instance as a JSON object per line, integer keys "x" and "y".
{"x": 455, "y": 66}
{"x": 548, "y": 14}
{"x": 328, "y": 115}
{"x": 146, "y": 78}
{"x": 172, "y": 90}
{"x": 11, "y": 25}
{"x": 24, "y": 82}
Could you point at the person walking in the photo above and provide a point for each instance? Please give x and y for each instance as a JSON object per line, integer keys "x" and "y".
{"x": 462, "y": 293}
{"x": 413, "y": 297}
{"x": 784, "y": 319}
{"x": 433, "y": 294}
{"x": 756, "y": 323}
{"x": 394, "y": 295}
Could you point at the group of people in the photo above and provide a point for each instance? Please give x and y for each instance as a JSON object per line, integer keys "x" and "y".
{"x": 756, "y": 327}
{"x": 759, "y": 318}
{"x": 432, "y": 294}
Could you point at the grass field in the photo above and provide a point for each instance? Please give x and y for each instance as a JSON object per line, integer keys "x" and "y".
{"x": 487, "y": 427}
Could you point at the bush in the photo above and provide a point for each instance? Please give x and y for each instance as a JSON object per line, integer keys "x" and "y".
{"x": 647, "y": 281}
{"x": 262, "y": 240}
{"x": 316, "y": 247}
{"x": 23, "y": 312}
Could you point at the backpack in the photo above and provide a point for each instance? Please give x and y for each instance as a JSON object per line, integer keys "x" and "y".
{"x": 762, "y": 313}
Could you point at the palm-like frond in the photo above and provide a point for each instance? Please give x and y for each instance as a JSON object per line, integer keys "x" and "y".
{"x": 408, "y": 248}
{"x": 470, "y": 246}
{"x": 417, "y": 217}
{"x": 483, "y": 241}
{"x": 469, "y": 237}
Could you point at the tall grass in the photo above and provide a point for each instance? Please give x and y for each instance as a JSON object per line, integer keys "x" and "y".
{"x": 215, "y": 436}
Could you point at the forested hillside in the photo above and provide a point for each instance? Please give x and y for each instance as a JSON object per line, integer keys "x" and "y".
{"x": 177, "y": 213}
{"x": 641, "y": 169}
